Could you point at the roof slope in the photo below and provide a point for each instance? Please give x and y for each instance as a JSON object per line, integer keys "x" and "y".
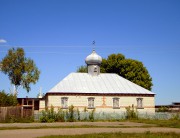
{"x": 104, "y": 83}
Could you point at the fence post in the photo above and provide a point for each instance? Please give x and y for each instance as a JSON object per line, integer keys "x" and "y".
{"x": 22, "y": 109}
{"x": 33, "y": 107}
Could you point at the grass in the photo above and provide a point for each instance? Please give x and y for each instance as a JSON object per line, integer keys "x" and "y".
{"x": 81, "y": 126}
{"x": 173, "y": 123}
{"x": 157, "y": 123}
{"x": 13, "y": 119}
{"x": 119, "y": 135}
{"x": 161, "y": 123}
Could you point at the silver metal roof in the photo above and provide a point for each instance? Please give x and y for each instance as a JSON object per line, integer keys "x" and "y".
{"x": 104, "y": 83}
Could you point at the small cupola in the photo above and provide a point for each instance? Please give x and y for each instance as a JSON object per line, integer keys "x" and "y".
{"x": 93, "y": 62}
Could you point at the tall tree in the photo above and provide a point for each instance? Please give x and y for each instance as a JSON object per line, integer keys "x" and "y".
{"x": 7, "y": 99}
{"x": 130, "y": 69}
{"x": 22, "y": 71}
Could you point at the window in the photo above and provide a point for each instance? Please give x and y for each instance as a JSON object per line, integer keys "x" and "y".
{"x": 64, "y": 102}
{"x": 116, "y": 103}
{"x": 91, "y": 102}
{"x": 139, "y": 102}
{"x": 95, "y": 68}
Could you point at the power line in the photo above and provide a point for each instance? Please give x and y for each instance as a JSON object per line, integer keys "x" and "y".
{"x": 87, "y": 46}
{"x": 147, "y": 49}
{"x": 77, "y": 53}
{"x": 61, "y": 46}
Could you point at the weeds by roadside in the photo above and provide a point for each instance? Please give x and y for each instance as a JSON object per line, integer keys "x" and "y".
{"x": 13, "y": 119}
{"x": 161, "y": 123}
{"x": 120, "y": 135}
{"x": 68, "y": 115}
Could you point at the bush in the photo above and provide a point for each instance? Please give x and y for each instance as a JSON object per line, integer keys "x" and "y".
{"x": 163, "y": 109}
{"x": 131, "y": 113}
{"x": 175, "y": 116}
{"x": 49, "y": 115}
{"x": 60, "y": 115}
{"x": 91, "y": 115}
{"x": 71, "y": 114}
{"x": 78, "y": 115}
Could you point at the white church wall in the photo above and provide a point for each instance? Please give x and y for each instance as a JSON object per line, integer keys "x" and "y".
{"x": 104, "y": 103}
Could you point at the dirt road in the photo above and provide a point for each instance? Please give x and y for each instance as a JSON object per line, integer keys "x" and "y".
{"x": 73, "y": 124}
{"x": 33, "y": 133}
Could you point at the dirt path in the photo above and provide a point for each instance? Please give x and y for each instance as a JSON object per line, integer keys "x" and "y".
{"x": 33, "y": 133}
{"x": 73, "y": 124}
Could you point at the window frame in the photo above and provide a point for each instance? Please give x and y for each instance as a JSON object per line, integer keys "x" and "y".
{"x": 116, "y": 107}
{"x": 89, "y": 100}
{"x": 95, "y": 69}
{"x": 140, "y": 104}
{"x": 65, "y": 104}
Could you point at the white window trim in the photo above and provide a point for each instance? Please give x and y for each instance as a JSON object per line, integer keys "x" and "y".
{"x": 93, "y": 102}
{"x": 116, "y": 107}
{"x": 64, "y": 107}
{"x": 138, "y": 106}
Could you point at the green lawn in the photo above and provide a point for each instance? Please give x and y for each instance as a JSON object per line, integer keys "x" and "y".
{"x": 120, "y": 135}
{"x": 161, "y": 123}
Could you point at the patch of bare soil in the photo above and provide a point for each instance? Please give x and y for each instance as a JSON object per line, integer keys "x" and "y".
{"x": 33, "y": 133}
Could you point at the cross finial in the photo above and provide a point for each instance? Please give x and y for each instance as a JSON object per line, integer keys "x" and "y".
{"x": 94, "y": 44}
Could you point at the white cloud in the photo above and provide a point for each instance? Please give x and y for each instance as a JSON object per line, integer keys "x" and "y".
{"x": 3, "y": 41}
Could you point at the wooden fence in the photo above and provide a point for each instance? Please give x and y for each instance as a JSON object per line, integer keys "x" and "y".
{"x": 15, "y": 112}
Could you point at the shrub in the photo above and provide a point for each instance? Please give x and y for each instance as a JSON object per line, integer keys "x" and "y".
{"x": 49, "y": 115}
{"x": 175, "y": 116}
{"x": 91, "y": 115}
{"x": 78, "y": 115}
{"x": 131, "y": 113}
{"x": 60, "y": 115}
{"x": 163, "y": 109}
{"x": 71, "y": 114}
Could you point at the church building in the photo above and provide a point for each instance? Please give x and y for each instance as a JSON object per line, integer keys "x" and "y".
{"x": 104, "y": 92}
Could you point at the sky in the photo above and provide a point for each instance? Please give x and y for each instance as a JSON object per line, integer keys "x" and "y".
{"x": 58, "y": 36}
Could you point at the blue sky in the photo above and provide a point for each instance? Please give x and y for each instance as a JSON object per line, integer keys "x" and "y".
{"x": 57, "y": 35}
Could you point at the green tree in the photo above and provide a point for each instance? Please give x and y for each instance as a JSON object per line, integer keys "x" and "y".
{"x": 7, "y": 99}
{"x": 82, "y": 69}
{"x": 133, "y": 70}
{"x": 22, "y": 71}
